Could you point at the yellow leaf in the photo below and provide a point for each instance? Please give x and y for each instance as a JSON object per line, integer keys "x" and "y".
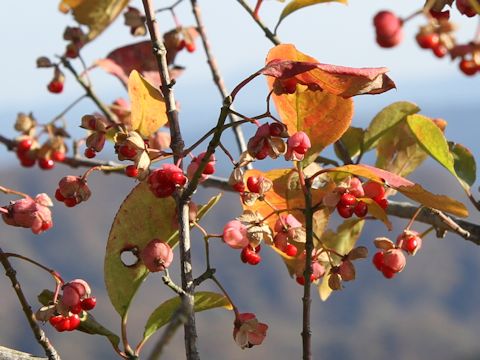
{"x": 96, "y": 14}
{"x": 148, "y": 106}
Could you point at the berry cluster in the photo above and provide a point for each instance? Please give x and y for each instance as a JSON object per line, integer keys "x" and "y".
{"x": 72, "y": 190}
{"x": 28, "y": 153}
{"x": 165, "y": 180}
{"x": 268, "y": 141}
{"x": 76, "y": 298}
{"x": 286, "y": 228}
{"x": 250, "y": 255}
{"x": 391, "y": 259}
{"x": 348, "y": 203}
{"x": 207, "y": 171}
{"x": 30, "y": 213}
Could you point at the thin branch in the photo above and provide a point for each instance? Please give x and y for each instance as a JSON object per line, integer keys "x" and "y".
{"x": 37, "y": 331}
{"x": 268, "y": 33}
{"x": 217, "y": 77}
{"x": 89, "y": 92}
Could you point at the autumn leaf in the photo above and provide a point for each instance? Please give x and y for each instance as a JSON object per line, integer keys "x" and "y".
{"x": 148, "y": 109}
{"x": 295, "y": 5}
{"x": 406, "y": 187}
{"x": 465, "y": 165}
{"x": 96, "y": 14}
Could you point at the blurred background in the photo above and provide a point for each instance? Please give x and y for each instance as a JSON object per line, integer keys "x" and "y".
{"x": 429, "y": 310}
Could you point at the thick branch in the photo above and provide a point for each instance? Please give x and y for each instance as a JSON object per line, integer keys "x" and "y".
{"x": 10, "y": 354}
{"x": 37, "y": 331}
{"x": 217, "y": 77}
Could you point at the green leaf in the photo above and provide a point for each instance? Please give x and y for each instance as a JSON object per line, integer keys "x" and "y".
{"x": 204, "y": 300}
{"x": 432, "y": 140}
{"x": 88, "y": 325}
{"x": 342, "y": 241}
{"x": 295, "y": 5}
{"x": 352, "y": 140}
{"x": 141, "y": 218}
{"x": 464, "y": 163}
{"x": 385, "y": 120}
{"x": 398, "y": 150}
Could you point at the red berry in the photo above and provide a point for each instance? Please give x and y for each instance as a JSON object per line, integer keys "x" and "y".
{"x": 179, "y": 178}
{"x": 250, "y": 256}
{"x": 382, "y": 202}
{"x": 253, "y": 184}
{"x": 46, "y": 164}
{"x": 209, "y": 169}
{"x": 58, "y": 156}
{"x": 190, "y": 47}
{"x": 77, "y": 309}
{"x": 54, "y": 320}
{"x": 24, "y": 145}
{"x": 345, "y": 211}
{"x": 465, "y": 8}
{"x": 289, "y": 85}
{"x": 301, "y": 279}
{"x": 373, "y": 189}
{"x": 290, "y": 250}
{"x": 27, "y": 161}
{"x": 127, "y": 151}
{"x": 378, "y": 260}
{"x": 59, "y": 196}
{"x": 239, "y": 187}
{"x": 55, "y": 87}
{"x": 428, "y": 41}
{"x": 88, "y": 303}
{"x": 90, "y": 153}
{"x": 387, "y": 272}
{"x": 347, "y": 199}
{"x": 181, "y": 45}
{"x": 63, "y": 325}
{"x": 263, "y": 153}
{"x": 440, "y": 51}
{"x": 70, "y": 202}
{"x": 440, "y": 15}
{"x": 131, "y": 171}
{"x": 468, "y": 67}
{"x": 411, "y": 244}
{"x": 74, "y": 322}
{"x": 276, "y": 129}
{"x": 360, "y": 209}
{"x": 389, "y": 29}
{"x": 46, "y": 225}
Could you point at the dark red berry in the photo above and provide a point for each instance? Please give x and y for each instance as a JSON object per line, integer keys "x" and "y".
{"x": 239, "y": 187}
{"x": 468, "y": 67}
{"x": 63, "y": 325}
{"x": 88, "y": 303}
{"x": 361, "y": 209}
{"x": 250, "y": 256}
{"x": 74, "y": 322}
{"x": 77, "y": 309}
{"x": 382, "y": 202}
{"x": 387, "y": 272}
{"x": 127, "y": 151}
{"x": 179, "y": 178}
{"x": 59, "y": 196}
{"x": 411, "y": 244}
{"x": 347, "y": 199}
{"x": 289, "y": 86}
{"x": 131, "y": 171}
{"x": 209, "y": 169}
{"x": 26, "y": 161}
{"x": 24, "y": 145}
{"x": 253, "y": 184}
{"x": 428, "y": 41}
{"x": 55, "y": 87}
{"x": 58, "y": 156}
{"x": 276, "y": 129}
{"x": 440, "y": 51}
{"x": 46, "y": 225}
{"x": 290, "y": 250}
{"x": 54, "y": 320}
{"x": 373, "y": 189}
{"x": 90, "y": 153}
{"x": 70, "y": 202}
{"x": 378, "y": 260}
{"x": 46, "y": 164}
{"x": 181, "y": 45}
{"x": 345, "y": 211}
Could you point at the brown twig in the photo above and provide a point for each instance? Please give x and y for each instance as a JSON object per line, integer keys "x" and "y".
{"x": 37, "y": 331}
{"x": 11, "y": 354}
{"x": 268, "y": 33}
{"x": 217, "y": 77}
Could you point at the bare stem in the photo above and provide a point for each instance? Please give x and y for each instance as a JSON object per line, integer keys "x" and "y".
{"x": 217, "y": 77}
{"x": 268, "y": 33}
{"x": 37, "y": 331}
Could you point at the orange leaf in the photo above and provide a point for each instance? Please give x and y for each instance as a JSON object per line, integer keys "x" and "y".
{"x": 285, "y": 60}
